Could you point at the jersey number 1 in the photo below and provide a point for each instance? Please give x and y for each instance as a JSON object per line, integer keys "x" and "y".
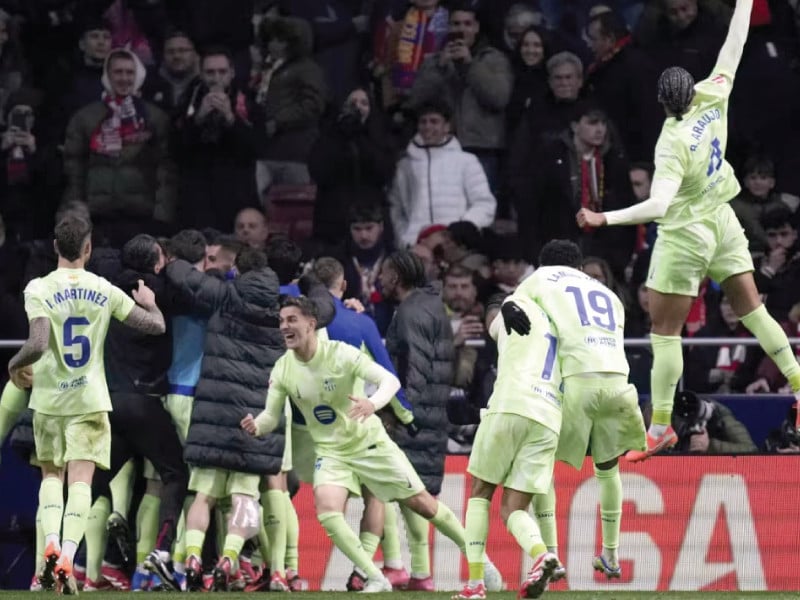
{"x": 72, "y": 339}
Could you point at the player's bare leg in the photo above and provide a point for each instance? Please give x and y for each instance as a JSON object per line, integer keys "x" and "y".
{"x": 746, "y": 302}
{"x": 668, "y": 314}
{"x": 610, "y": 486}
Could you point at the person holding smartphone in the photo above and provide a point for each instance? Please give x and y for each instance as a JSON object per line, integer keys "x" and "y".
{"x": 476, "y": 80}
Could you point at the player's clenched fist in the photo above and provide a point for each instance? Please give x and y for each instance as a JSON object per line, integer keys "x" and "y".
{"x": 249, "y": 424}
{"x": 144, "y": 296}
{"x": 588, "y": 218}
{"x": 361, "y": 409}
{"x": 515, "y": 319}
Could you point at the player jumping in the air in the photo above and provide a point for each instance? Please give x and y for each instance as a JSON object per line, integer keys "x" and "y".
{"x": 69, "y": 312}
{"x": 352, "y": 446}
{"x": 698, "y": 233}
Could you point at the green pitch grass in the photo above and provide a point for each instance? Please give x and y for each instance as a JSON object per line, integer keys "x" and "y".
{"x": 600, "y": 595}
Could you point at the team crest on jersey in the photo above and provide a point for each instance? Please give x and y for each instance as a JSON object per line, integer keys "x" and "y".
{"x": 329, "y": 385}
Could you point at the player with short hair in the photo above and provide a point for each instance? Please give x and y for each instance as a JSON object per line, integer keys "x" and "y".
{"x": 515, "y": 447}
{"x": 352, "y": 446}
{"x": 698, "y": 233}
{"x": 601, "y": 409}
{"x": 69, "y": 312}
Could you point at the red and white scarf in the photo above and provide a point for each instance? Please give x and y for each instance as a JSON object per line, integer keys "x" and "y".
{"x": 124, "y": 124}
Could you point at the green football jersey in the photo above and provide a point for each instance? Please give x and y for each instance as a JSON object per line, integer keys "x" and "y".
{"x": 320, "y": 389}
{"x": 70, "y": 377}
{"x": 692, "y": 152}
{"x": 588, "y": 317}
{"x": 528, "y": 371}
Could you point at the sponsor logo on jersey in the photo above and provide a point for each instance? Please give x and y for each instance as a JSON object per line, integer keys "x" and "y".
{"x": 324, "y": 414}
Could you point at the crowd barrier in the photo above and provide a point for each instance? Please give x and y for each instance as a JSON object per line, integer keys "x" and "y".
{"x": 689, "y": 523}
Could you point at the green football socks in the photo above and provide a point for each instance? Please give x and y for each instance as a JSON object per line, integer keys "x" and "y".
{"x": 346, "y": 540}
{"x": 476, "y": 530}
{"x": 667, "y": 370}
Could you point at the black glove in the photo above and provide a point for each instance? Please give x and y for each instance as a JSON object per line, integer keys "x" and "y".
{"x": 412, "y": 429}
{"x": 515, "y": 319}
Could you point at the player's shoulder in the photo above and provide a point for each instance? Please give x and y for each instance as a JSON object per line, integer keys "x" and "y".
{"x": 35, "y": 286}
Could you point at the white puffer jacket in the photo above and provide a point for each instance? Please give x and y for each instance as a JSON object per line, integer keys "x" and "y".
{"x": 438, "y": 185}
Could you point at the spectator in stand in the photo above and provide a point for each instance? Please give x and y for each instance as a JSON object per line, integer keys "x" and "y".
{"x": 530, "y": 77}
{"x": 340, "y": 28}
{"x": 706, "y": 426}
{"x": 684, "y": 33}
{"x": 508, "y": 266}
{"x": 250, "y": 228}
{"x": 777, "y": 274}
{"x": 757, "y": 199}
{"x": 291, "y": 91}
{"x": 73, "y": 85}
{"x": 637, "y": 325}
{"x": 362, "y": 255}
{"x": 518, "y": 19}
{"x": 721, "y": 369}
{"x": 179, "y": 72}
{"x": 436, "y": 181}
{"x": 29, "y": 170}
{"x": 462, "y": 244}
{"x": 116, "y": 156}
{"x": 138, "y": 27}
{"x": 543, "y": 122}
{"x": 621, "y": 79}
{"x": 13, "y": 67}
{"x": 582, "y": 168}
{"x": 351, "y": 162}
{"x": 216, "y": 146}
{"x": 406, "y": 36}
{"x": 474, "y": 78}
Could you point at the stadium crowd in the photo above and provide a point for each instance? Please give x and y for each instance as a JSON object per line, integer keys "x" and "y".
{"x": 403, "y": 161}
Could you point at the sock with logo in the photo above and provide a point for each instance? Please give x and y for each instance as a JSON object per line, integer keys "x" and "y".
{"x": 76, "y": 512}
{"x": 51, "y": 508}
{"x": 544, "y": 509}
{"x": 275, "y": 524}
{"x": 476, "y": 529}
{"x": 773, "y": 340}
{"x": 525, "y": 530}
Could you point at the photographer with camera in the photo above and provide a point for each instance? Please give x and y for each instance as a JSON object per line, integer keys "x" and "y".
{"x": 216, "y": 146}
{"x": 704, "y": 426}
{"x": 352, "y": 159}
{"x": 786, "y": 439}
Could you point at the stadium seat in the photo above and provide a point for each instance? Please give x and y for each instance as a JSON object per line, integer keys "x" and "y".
{"x": 290, "y": 210}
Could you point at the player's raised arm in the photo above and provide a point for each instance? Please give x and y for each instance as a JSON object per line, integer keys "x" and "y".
{"x": 146, "y": 316}
{"x": 34, "y": 347}
{"x": 663, "y": 192}
{"x": 731, "y": 53}
{"x": 269, "y": 418}
{"x": 388, "y": 385}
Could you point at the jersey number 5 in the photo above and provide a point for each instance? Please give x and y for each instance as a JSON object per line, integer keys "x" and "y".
{"x": 601, "y": 307}
{"x": 72, "y": 339}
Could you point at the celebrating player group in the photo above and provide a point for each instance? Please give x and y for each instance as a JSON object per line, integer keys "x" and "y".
{"x": 561, "y": 391}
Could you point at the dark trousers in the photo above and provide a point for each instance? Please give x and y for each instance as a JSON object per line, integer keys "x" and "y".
{"x": 141, "y": 427}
